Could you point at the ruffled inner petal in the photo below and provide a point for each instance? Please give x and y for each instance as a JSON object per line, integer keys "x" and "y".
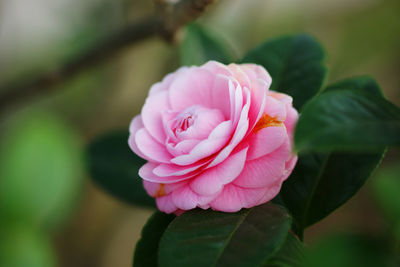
{"x": 220, "y": 96}
{"x": 240, "y": 132}
{"x": 216, "y": 140}
{"x": 259, "y": 94}
{"x": 183, "y": 147}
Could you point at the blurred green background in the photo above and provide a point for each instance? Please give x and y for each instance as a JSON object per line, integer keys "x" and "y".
{"x": 51, "y": 213}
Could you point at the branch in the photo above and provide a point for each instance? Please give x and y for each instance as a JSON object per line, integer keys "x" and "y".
{"x": 167, "y": 21}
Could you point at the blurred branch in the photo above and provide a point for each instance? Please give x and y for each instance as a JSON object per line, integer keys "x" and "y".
{"x": 168, "y": 19}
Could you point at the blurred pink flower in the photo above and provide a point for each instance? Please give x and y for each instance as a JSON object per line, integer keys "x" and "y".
{"x": 214, "y": 137}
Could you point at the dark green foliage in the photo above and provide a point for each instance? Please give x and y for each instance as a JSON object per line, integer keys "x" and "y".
{"x": 291, "y": 254}
{"x": 321, "y": 183}
{"x": 295, "y": 64}
{"x": 146, "y": 251}
{"x": 208, "y": 238}
{"x": 335, "y": 123}
{"x": 114, "y": 167}
{"x": 352, "y": 115}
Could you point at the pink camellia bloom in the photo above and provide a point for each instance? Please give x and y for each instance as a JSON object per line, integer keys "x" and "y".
{"x": 214, "y": 137}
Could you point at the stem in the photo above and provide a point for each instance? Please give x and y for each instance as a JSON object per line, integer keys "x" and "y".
{"x": 168, "y": 20}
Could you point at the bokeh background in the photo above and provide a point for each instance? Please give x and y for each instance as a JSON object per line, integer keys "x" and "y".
{"x": 82, "y": 225}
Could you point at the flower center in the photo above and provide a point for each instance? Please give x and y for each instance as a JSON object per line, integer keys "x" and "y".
{"x": 184, "y": 124}
{"x": 195, "y": 122}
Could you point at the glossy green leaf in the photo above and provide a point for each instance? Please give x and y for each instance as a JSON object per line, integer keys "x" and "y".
{"x": 209, "y": 238}
{"x": 200, "y": 45}
{"x": 320, "y": 183}
{"x": 363, "y": 83}
{"x": 295, "y": 64}
{"x": 348, "y": 117}
{"x": 40, "y": 168}
{"x": 114, "y": 167}
{"x": 146, "y": 251}
{"x": 291, "y": 254}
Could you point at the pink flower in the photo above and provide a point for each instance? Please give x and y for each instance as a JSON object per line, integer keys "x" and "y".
{"x": 214, "y": 137}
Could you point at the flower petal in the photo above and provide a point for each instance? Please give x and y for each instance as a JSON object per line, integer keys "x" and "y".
{"x": 146, "y": 172}
{"x": 151, "y": 148}
{"x": 155, "y": 105}
{"x": 291, "y": 119}
{"x": 183, "y": 147}
{"x": 184, "y": 198}
{"x": 238, "y": 104}
{"x": 233, "y": 198}
{"x": 255, "y": 72}
{"x": 275, "y": 109}
{"x": 220, "y": 95}
{"x": 134, "y": 127}
{"x": 240, "y": 75}
{"x": 164, "y": 170}
{"x": 166, "y": 204}
{"x": 212, "y": 180}
{"x": 192, "y": 88}
{"x": 216, "y": 140}
{"x": 240, "y": 132}
{"x": 166, "y": 82}
{"x": 259, "y": 94}
{"x": 216, "y": 67}
{"x": 270, "y": 192}
{"x": 289, "y": 166}
{"x": 158, "y": 190}
{"x": 265, "y": 141}
{"x": 266, "y": 170}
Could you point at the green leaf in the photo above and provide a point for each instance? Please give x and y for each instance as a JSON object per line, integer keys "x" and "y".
{"x": 146, "y": 251}
{"x": 291, "y": 254}
{"x": 208, "y": 238}
{"x": 199, "y": 46}
{"x": 40, "y": 168}
{"x": 295, "y": 64}
{"x": 348, "y": 117}
{"x": 320, "y": 183}
{"x": 363, "y": 83}
{"x": 114, "y": 167}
